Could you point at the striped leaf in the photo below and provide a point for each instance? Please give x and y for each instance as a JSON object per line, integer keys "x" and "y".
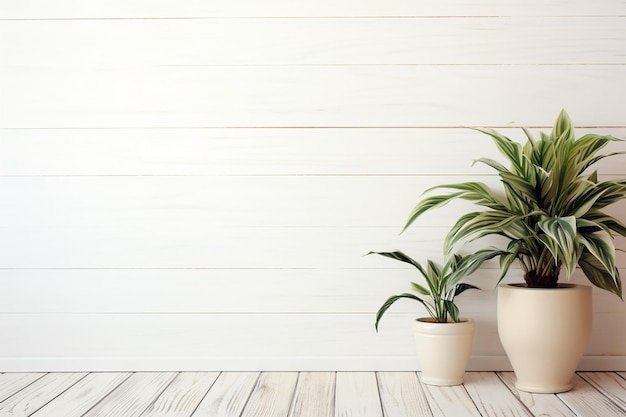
{"x": 381, "y": 311}
{"x": 598, "y": 275}
{"x": 551, "y": 210}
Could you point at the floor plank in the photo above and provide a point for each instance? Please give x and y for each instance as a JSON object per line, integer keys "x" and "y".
{"x": 356, "y": 395}
{"x": 10, "y": 383}
{"x": 402, "y": 394}
{"x": 492, "y": 397}
{"x": 585, "y": 400}
{"x": 538, "y": 404}
{"x": 228, "y": 395}
{"x": 300, "y": 394}
{"x": 182, "y": 396}
{"x": 38, "y": 394}
{"x": 609, "y": 384}
{"x": 315, "y": 395}
{"x": 133, "y": 396}
{"x": 81, "y": 397}
{"x": 272, "y": 395}
{"x": 450, "y": 401}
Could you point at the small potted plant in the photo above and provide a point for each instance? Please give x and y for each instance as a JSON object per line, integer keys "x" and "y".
{"x": 443, "y": 340}
{"x": 550, "y": 212}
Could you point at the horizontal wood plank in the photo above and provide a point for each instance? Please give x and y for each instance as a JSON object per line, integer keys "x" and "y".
{"x": 170, "y": 246}
{"x": 76, "y": 9}
{"x": 275, "y": 334}
{"x": 208, "y": 203}
{"x": 202, "y": 335}
{"x": 220, "y": 291}
{"x": 297, "y": 96}
{"x": 425, "y": 41}
{"x": 223, "y": 202}
{"x": 224, "y": 152}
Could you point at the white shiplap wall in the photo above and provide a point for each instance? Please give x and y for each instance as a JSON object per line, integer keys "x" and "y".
{"x": 192, "y": 185}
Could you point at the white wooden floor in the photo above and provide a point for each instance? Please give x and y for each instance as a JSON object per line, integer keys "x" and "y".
{"x": 305, "y": 394}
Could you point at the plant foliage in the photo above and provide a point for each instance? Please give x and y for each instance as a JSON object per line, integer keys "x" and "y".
{"x": 443, "y": 283}
{"x": 551, "y": 210}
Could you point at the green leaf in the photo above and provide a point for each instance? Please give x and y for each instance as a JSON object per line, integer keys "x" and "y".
{"x": 452, "y": 310}
{"x": 600, "y": 245}
{"x": 475, "y": 192}
{"x": 610, "y": 223}
{"x": 469, "y": 264}
{"x": 560, "y": 232}
{"x": 461, "y": 288}
{"x": 598, "y": 275}
{"x": 420, "y": 289}
{"x": 402, "y": 257}
{"x": 428, "y": 204}
{"x": 381, "y": 311}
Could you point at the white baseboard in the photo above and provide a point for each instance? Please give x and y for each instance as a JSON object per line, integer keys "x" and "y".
{"x": 110, "y": 364}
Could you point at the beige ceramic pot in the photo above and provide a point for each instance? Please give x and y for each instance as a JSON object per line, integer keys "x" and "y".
{"x": 544, "y": 332}
{"x": 443, "y": 350}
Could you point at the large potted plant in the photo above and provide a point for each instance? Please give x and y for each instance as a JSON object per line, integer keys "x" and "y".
{"x": 550, "y": 213}
{"x": 444, "y": 339}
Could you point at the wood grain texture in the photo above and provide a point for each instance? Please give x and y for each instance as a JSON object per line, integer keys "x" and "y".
{"x": 425, "y": 41}
{"x": 219, "y": 291}
{"x": 356, "y": 394}
{"x": 450, "y": 401}
{"x": 11, "y": 383}
{"x": 351, "y": 152}
{"x": 609, "y": 384}
{"x": 141, "y": 246}
{"x": 491, "y": 396}
{"x": 402, "y": 394}
{"x": 180, "y": 177}
{"x": 272, "y": 395}
{"x": 310, "y": 96}
{"x": 538, "y": 404}
{"x": 183, "y": 395}
{"x": 295, "y": 336}
{"x": 290, "y": 335}
{"x": 228, "y": 395}
{"x": 75, "y": 9}
{"x": 228, "y": 202}
{"x": 133, "y": 396}
{"x": 315, "y": 395}
{"x": 584, "y": 399}
{"x": 221, "y": 202}
{"x": 38, "y": 394}
{"x": 231, "y": 397}
{"x": 83, "y": 395}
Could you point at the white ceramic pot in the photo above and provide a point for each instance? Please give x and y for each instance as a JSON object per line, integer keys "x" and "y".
{"x": 443, "y": 350}
{"x": 544, "y": 332}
